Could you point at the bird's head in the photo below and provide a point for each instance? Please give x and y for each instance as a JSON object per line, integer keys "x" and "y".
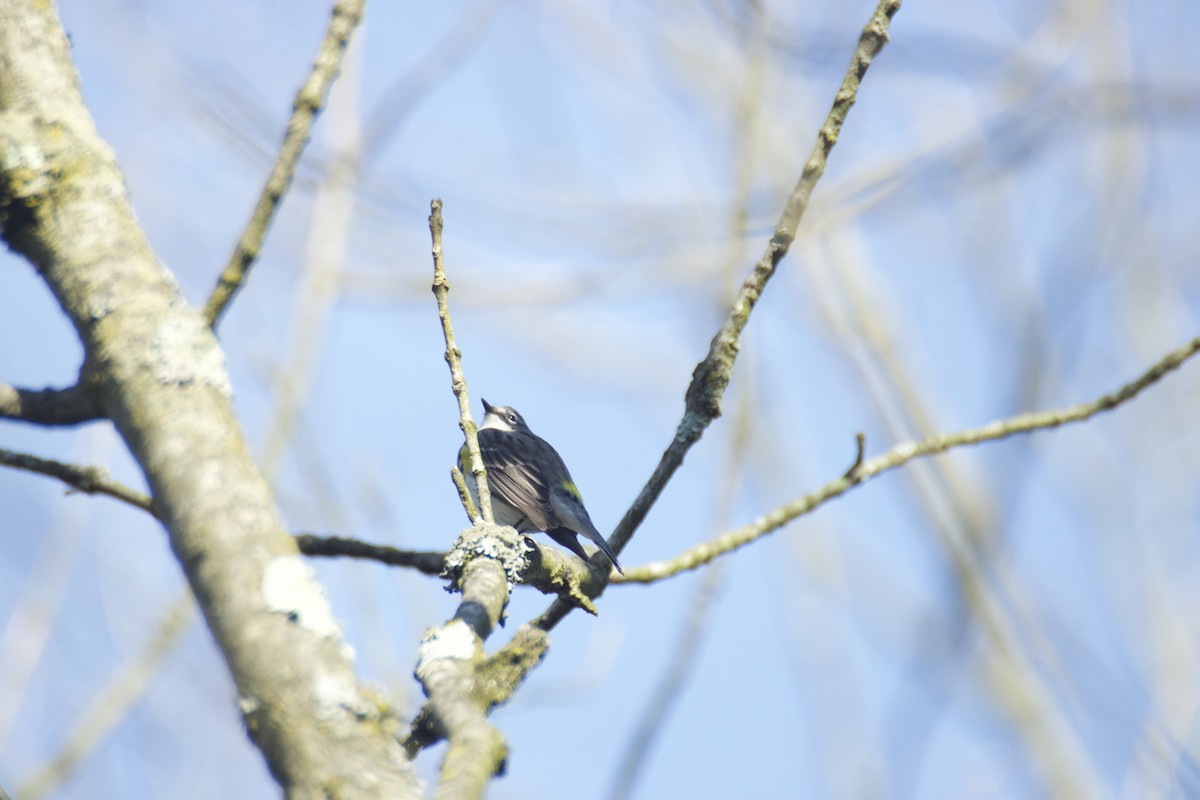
{"x": 502, "y": 418}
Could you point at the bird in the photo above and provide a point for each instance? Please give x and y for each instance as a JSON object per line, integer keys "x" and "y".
{"x": 531, "y": 488}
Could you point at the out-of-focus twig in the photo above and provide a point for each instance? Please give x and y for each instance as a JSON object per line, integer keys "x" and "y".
{"x": 69, "y": 406}
{"x": 345, "y": 18}
{"x": 428, "y": 562}
{"x": 90, "y": 480}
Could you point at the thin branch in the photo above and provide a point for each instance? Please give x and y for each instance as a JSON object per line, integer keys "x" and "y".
{"x": 427, "y": 562}
{"x": 705, "y": 394}
{"x": 464, "y": 494}
{"x": 484, "y": 563}
{"x": 711, "y": 376}
{"x": 70, "y": 406}
{"x": 899, "y": 455}
{"x": 312, "y": 95}
{"x": 458, "y": 381}
{"x": 168, "y": 394}
{"x": 497, "y": 678}
{"x": 89, "y": 480}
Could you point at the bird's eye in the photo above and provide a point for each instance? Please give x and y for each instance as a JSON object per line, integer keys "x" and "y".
{"x": 512, "y": 418}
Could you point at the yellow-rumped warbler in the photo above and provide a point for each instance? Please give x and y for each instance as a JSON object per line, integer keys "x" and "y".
{"x": 530, "y": 485}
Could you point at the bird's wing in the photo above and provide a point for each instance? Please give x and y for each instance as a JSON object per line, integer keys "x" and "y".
{"x": 508, "y": 458}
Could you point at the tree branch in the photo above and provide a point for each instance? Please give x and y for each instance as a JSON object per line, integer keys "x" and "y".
{"x": 458, "y": 381}
{"x": 427, "y": 562}
{"x": 308, "y": 103}
{"x": 704, "y": 397}
{"x": 485, "y": 562}
{"x": 70, "y": 406}
{"x": 899, "y": 455}
{"x": 711, "y": 376}
{"x": 64, "y": 206}
{"x": 89, "y": 480}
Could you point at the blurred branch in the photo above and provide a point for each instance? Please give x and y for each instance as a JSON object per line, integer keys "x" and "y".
{"x": 113, "y": 703}
{"x": 420, "y": 81}
{"x": 427, "y": 562}
{"x": 705, "y": 393}
{"x": 652, "y": 722}
{"x": 899, "y": 455}
{"x": 662, "y": 698}
{"x": 89, "y": 480}
{"x": 167, "y": 391}
{"x": 312, "y": 95}
{"x": 70, "y": 406}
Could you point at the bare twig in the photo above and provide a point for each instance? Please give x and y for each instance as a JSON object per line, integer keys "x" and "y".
{"x": 899, "y": 455}
{"x": 168, "y": 394}
{"x": 458, "y": 381}
{"x": 464, "y": 494}
{"x": 345, "y": 18}
{"x": 427, "y": 562}
{"x": 860, "y": 452}
{"x": 706, "y": 392}
{"x": 484, "y": 562}
{"x": 70, "y": 406}
{"x": 711, "y": 376}
{"x": 90, "y": 480}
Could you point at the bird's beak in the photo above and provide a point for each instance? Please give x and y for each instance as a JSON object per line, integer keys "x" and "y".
{"x": 487, "y": 408}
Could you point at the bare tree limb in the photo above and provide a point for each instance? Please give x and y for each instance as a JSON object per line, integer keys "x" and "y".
{"x": 705, "y": 394}
{"x": 458, "y": 381}
{"x": 427, "y": 562}
{"x": 70, "y": 406}
{"x": 898, "y": 456}
{"x": 485, "y": 562}
{"x": 64, "y": 206}
{"x": 312, "y": 95}
{"x": 89, "y": 480}
{"x": 711, "y": 376}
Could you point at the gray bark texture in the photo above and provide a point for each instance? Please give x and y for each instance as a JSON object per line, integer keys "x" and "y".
{"x": 159, "y": 375}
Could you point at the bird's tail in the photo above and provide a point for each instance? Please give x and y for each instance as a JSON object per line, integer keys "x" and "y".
{"x": 570, "y": 540}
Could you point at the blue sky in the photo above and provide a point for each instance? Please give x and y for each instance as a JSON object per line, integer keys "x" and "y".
{"x": 1007, "y": 223}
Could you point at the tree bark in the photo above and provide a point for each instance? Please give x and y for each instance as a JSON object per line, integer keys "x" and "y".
{"x": 161, "y": 379}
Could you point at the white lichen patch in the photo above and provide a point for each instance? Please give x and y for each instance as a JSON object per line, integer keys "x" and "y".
{"x": 185, "y": 352}
{"x": 334, "y": 693}
{"x": 453, "y": 640}
{"x": 290, "y": 587}
{"x": 490, "y": 541}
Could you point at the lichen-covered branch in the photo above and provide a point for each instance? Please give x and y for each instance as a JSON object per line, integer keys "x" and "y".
{"x": 51, "y": 407}
{"x": 162, "y": 382}
{"x": 485, "y": 563}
